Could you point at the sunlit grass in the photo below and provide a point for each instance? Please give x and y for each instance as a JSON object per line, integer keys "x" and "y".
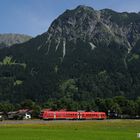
{"x": 92, "y": 130}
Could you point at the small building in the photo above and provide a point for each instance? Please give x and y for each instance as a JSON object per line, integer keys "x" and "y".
{"x": 25, "y": 113}
{"x": 1, "y": 116}
{"x": 20, "y": 114}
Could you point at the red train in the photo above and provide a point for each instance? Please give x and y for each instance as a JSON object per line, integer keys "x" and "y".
{"x": 71, "y": 115}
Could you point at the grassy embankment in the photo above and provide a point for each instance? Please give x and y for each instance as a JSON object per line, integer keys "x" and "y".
{"x": 92, "y": 130}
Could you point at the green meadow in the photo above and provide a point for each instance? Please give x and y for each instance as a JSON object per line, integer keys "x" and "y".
{"x": 88, "y": 130}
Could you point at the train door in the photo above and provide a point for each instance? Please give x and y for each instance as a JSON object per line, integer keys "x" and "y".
{"x": 54, "y": 115}
{"x": 80, "y": 115}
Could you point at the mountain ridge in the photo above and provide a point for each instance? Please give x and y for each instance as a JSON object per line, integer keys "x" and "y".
{"x": 9, "y": 39}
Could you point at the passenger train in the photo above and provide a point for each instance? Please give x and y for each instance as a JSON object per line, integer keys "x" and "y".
{"x": 71, "y": 115}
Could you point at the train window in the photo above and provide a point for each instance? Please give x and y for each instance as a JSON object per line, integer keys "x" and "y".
{"x": 59, "y": 115}
{"x": 50, "y": 114}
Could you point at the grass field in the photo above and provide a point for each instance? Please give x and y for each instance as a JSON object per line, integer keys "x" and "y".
{"x": 88, "y": 130}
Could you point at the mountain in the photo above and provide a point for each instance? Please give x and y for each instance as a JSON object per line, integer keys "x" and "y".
{"x": 7, "y": 40}
{"x": 85, "y": 54}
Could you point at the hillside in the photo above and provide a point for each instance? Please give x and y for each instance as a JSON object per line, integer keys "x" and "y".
{"x": 7, "y": 40}
{"x": 85, "y": 54}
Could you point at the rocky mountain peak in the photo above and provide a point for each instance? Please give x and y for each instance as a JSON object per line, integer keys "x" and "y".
{"x": 73, "y": 24}
{"x": 83, "y": 7}
{"x": 94, "y": 27}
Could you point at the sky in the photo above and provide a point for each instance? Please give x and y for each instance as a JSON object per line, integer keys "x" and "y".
{"x": 33, "y": 17}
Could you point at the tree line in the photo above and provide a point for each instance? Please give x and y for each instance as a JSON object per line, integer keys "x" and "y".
{"x": 117, "y": 107}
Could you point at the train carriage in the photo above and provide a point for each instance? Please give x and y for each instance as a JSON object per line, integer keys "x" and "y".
{"x": 92, "y": 115}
